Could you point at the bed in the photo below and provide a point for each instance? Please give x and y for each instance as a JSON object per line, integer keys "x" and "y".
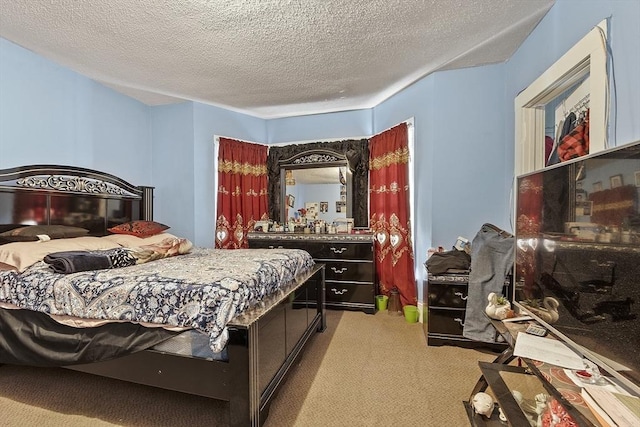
{"x": 248, "y": 347}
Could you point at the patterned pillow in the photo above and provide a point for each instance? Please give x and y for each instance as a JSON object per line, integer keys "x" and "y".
{"x": 30, "y": 233}
{"x": 139, "y": 228}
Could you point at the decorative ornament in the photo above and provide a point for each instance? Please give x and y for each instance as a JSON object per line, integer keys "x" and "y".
{"x": 498, "y": 307}
{"x": 548, "y": 313}
{"x": 395, "y": 240}
{"x": 483, "y": 404}
{"x": 221, "y": 235}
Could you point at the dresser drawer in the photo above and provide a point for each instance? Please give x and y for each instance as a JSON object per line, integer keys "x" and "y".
{"x": 443, "y": 321}
{"x": 275, "y": 244}
{"x": 349, "y": 265}
{"x": 349, "y": 293}
{"x": 445, "y": 295}
{"x": 342, "y": 250}
{"x": 349, "y": 271}
{"x": 451, "y": 279}
{"x": 321, "y": 250}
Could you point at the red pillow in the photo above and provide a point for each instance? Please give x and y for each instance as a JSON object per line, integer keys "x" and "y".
{"x": 139, "y": 228}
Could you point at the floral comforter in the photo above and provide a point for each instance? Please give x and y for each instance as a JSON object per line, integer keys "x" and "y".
{"x": 202, "y": 290}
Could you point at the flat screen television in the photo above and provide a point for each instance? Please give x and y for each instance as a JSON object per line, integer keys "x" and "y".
{"x": 578, "y": 242}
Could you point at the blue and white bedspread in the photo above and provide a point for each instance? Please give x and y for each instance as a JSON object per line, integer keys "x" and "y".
{"x": 203, "y": 289}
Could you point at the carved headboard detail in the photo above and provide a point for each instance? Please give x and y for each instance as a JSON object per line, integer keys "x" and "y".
{"x": 69, "y": 195}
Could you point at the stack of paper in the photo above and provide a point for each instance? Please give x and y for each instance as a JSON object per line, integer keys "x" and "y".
{"x": 612, "y": 409}
{"x": 547, "y": 350}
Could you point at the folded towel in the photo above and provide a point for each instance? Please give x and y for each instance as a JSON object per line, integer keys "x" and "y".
{"x": 74, "y": 261}
{"x": 171, "y": 246}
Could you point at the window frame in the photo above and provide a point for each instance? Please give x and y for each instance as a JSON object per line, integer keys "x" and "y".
{"x": 587, "y": 57}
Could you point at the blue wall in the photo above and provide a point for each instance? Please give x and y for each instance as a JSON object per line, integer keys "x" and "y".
{"x": 49, "y": 114}
{"x": 320, "y": 127}
{"x": 172, "y": 166}
{"x": 210, "y": 121}
{"x": 463, "y": 124}
{"x": 459, "y": 158}
{"x": 556, "y": 34}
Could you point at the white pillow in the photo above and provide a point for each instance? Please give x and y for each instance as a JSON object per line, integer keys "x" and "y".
{"x": 22, "y": 255}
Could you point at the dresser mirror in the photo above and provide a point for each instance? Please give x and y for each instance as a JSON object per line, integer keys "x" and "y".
{"x": 317, "y": 185}
{"x": 330, "y": 178}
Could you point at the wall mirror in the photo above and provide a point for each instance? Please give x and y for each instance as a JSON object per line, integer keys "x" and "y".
{"x": 319, "y": 184}
{"x": 329, "y": 178}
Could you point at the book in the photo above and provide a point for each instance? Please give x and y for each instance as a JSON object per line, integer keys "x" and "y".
{"x": 631, "y": 402}
{"x": 599, "y": 413}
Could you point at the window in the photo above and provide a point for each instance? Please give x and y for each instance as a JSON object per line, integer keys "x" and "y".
{"x": 585, "y": 64}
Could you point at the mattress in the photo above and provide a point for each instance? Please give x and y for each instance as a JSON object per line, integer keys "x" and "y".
{"x": 201, "y": 290}
{"x": 191, "y": 343}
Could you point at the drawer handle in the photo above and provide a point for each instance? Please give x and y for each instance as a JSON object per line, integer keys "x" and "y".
{"x": 337, "y": 292}
{"x": 461, "y": 295}
{"x": 338, "y": 251}
{"x": 342, "y": 270}
{"x": 273, "y": 247}
{"x": 459, "y": 320}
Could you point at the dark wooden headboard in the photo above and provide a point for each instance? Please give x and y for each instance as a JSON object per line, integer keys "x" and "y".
{"x": 69, "y": 195}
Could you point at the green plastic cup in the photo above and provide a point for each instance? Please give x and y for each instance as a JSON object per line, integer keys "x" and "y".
{"x": 410, "y": 313}
{"x": 381, "y": 302}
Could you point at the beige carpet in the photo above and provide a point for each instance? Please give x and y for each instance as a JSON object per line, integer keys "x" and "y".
{"x": 363, "y": 371}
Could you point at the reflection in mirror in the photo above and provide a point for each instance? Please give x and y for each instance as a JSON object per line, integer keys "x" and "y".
{"x": 578, "y": 247}
{"x": 321, "y": 193}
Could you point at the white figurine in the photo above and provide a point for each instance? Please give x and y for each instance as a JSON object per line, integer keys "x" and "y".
{"x": 502, "y": 417}
{"x": 498, "y": 306}
{"x": 525, "y": 407}
{"x": 541, "y": 406}
{"x": 483, "y": 404}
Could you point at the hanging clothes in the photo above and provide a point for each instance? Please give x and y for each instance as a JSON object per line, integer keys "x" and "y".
{"x": 576, "y": 142}
{"x": 492, "y": 252}
{"x": 553, "y": 157}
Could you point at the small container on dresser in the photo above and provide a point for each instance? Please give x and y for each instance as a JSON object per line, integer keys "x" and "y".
{"x": 447, "y": 301}
{"x": 350, "y": 276}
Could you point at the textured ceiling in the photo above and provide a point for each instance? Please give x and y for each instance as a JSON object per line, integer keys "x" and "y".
{"x": 268, "y": 58}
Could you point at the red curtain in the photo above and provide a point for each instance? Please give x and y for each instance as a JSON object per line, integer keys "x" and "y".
{"x": 242, "y": 191}
{"x": 528, "y": 227}
{"x": 389, "y": 207}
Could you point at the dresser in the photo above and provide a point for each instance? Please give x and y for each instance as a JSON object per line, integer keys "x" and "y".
{"x": 350, "y": 275}
{"x": 447, "y": 301}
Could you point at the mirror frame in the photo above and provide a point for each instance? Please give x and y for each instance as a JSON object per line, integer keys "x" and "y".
{"x": 354, "y": 152}
{"x": 315, "y": 159}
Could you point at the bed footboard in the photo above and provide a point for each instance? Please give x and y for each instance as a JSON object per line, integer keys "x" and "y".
{"x": 263, "y": 351}
{"x": 263, "y": 345}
